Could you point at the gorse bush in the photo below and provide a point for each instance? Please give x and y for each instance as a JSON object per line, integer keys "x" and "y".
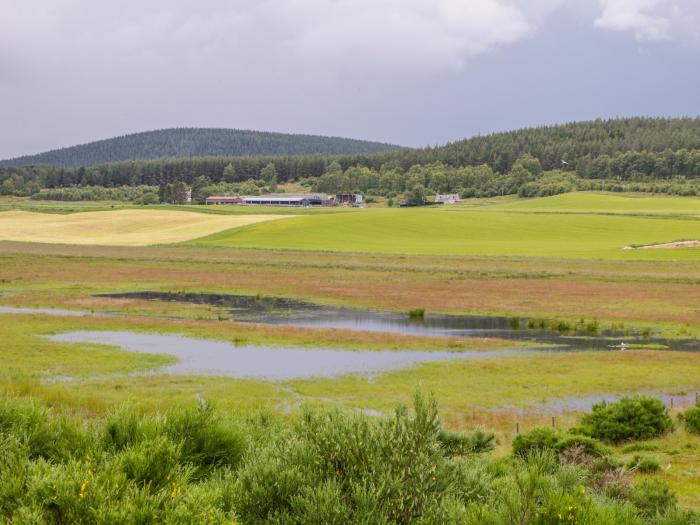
{"x": 545, "y": 438}
{"x": 536, "y": 439}
{"x": 653, "y": 497}
{"x": 629, "y": 418}
{"x": 459, "y": 443}
{"x": 207, "y": 442}
{"x": 319, "y": 467}
{"x": 395, "y": 468}
{"x": 691, "y": 420}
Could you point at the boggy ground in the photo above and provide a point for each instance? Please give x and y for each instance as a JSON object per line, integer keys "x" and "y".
{"x": 661, "y": 294}
{"x": 92, "y": 379}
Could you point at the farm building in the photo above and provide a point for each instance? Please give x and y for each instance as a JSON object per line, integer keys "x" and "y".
{"x": 447, "y": 198}
{"x": 348, "y": 198}
{"x": 234, "y": 199}
{"x": 289, "y": 199}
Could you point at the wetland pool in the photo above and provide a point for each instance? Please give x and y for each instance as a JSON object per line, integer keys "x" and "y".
{"x": 219, "y": 358}
{"x": 294, "y": 312}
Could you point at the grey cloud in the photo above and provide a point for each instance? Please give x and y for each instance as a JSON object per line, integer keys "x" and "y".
{"x": 405, "y": 71}
{"x": 650, "y": 20}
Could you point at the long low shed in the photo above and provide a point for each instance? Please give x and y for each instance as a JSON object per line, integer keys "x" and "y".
{"x": 279, "y": 199}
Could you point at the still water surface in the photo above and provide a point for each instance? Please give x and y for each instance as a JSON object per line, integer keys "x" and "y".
{"x": 294, "y": 312}
{"x": 218, "y": 358}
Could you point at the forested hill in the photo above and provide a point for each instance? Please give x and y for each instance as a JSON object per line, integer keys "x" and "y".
{"x": 636, "y": 154}
{"x": 197, "y": 142}
{"x": 566, "y": 142}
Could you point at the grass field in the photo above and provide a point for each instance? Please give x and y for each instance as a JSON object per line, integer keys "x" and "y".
{"x": 117, "y": 228}
{"x": 495, "y": 230}
{"x": 608, "y": 203}
{"x": 553, "y": 258}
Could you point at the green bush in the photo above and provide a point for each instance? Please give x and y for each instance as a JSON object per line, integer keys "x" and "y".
{"x": 653, "y": 497}
{"x": 200, "y": 466}
{"x": 459, "y": 443}
{"x": 151, "y": 464}
{"x": 630, "y": 418}
{"x": 644, "y": 464}
{"x": 55, "y": 438}
{"x": 123, "y": 428}
{"x": 543, "y": 438}
{"x": 390, "y": 470}
{"x": 207, "y": 442}
{"x": 588, "y": 445}
{"x": 691, "y": 420}
{"x": 149, "y": 197}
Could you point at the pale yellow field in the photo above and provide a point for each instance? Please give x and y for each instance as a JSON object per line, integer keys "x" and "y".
{"x": 119, "y": 227}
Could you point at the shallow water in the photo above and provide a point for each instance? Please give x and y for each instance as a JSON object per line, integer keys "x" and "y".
{"x": 218, "y": 358}
{"x": 43, "y": 311}
{"x": 293, "y": 312}
{"x": 585, "y": 403}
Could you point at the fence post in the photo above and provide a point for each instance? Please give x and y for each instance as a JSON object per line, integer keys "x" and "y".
{"x": 517, "y": 428}
{"x": 554, "y": 422}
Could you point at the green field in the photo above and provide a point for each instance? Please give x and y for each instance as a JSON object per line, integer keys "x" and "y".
{"x": 584, "y": 202}
{"x": 577, "y": 227}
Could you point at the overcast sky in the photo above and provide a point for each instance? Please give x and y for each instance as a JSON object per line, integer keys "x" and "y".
{"x": 412, "y": 72}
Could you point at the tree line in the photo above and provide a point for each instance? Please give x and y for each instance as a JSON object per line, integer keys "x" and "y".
{"x": 656, "y": 154}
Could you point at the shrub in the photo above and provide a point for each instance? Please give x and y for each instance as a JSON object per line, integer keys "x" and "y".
{"x": 691, "y": 420}
{"x": 644, "y": 464}
{"x": 122, "y": 429}
{"x": 320, "y": 467}
{"x": 653, "y": 497}
{"x": 588, "y": 445}
{"x": 545, "y": 438}
{"x": 459, "y": 444}
{"x": 387, "y": 470}
{"x": 630, "y": 418}
{"x": 416, "y": 313}
{"x": 150, "y": 197}
{"x": 536, "y": 439}
{"x": 50, "y": 438}
{"x": 207, "y": 442}
{"x": 151, "y": 463}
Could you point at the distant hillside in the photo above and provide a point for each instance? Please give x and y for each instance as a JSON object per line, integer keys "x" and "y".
{"x": 565, "y": 142}
{"x": 633, "y": 154}
{"x": 197, "y": 142}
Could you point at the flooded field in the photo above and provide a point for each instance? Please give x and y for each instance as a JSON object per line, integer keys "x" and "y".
{"x": 42, "y": 311}
{"x": 206, "y": 357}
{"x": 294, "y": 312}
{"x": 585, "y": 403}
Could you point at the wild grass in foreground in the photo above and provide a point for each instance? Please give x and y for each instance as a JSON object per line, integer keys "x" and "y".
{"x": 203, "y": 466}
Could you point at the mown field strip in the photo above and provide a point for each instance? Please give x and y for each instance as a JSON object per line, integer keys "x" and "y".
{"x": 118, "y": 227}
